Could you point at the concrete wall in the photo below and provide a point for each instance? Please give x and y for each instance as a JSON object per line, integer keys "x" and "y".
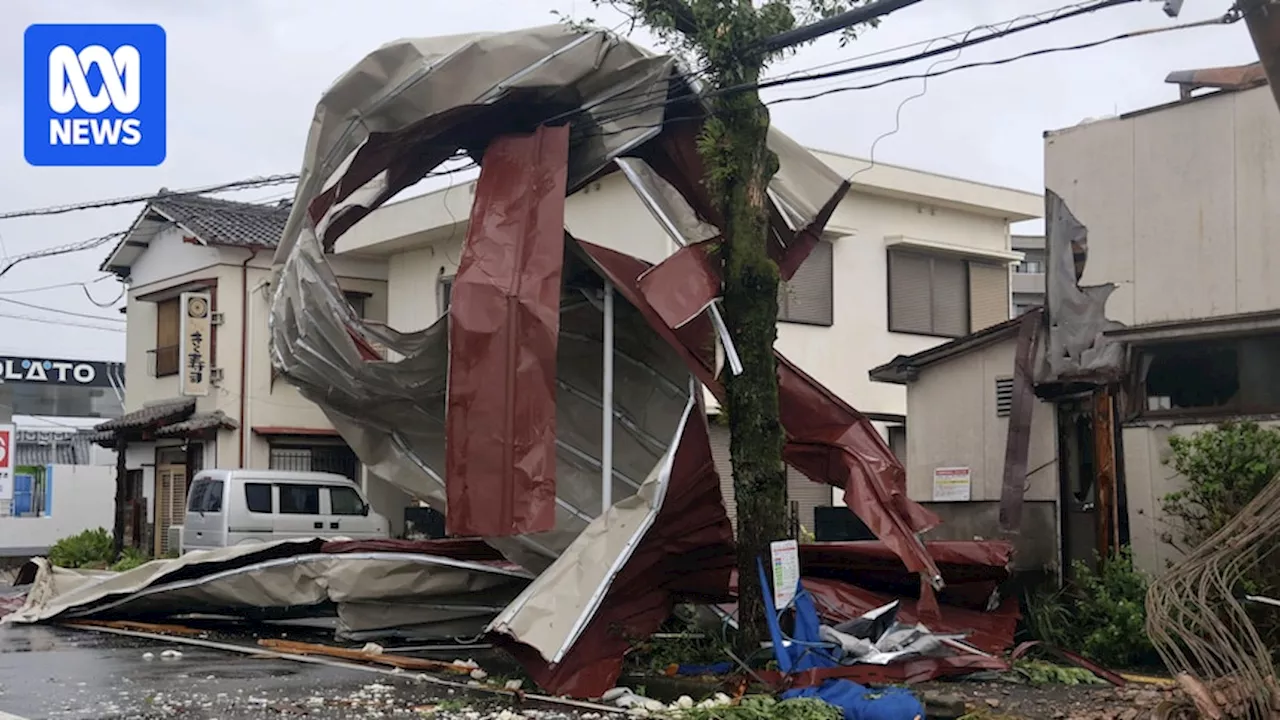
{"x": 952, "y": 422}
{"x": 82, "y": 499}
{"x": 1179, "y": 203}
{"x": 1148, "y": 478}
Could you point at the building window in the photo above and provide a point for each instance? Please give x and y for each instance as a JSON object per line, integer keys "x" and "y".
{"x": 357, "y": 302}
{"x": 1029, "y": 266}
{"x": 1238, "y": 376}
{"x": 319, "y": 457}
{"x": 165, "y": 354}
{"x": 445, "y": 294}
{"x": 898, "y": 442}
{"x": 928, "y": 295}
{"x": 945, "y": 296}
{"x": 807, "y": 298}
{"x": 1004, "y": 396}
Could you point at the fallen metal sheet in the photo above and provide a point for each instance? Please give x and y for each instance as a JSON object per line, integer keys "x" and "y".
{"x": 993, "y": 632}
{"x": 254, "y": 582}
{"x": 906, "y": 673}
{"x": 623, "y": 575}
{"x": 972, "y": 570}
{"x": 827, "y": 439}
{"x": 500, "y": 437}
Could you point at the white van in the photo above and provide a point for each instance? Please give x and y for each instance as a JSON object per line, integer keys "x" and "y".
{"x": 236, "y": 507}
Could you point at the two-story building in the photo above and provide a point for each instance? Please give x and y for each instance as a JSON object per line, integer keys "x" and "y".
{"x": 910, "y": 259}
{"x": 1162, "y": 317}
{"x": 242, "y": 415}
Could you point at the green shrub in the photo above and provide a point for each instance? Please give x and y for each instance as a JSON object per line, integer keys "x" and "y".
{"x": 91, "y": 548}
{"x": 1224, "y": 468}
{"x": 1101, "y": 614}
{"x": 130, "y": 559}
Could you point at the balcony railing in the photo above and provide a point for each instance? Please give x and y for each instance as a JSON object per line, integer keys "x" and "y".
{"x": 1031, "y": 283}
{"x": 163, "y": 361}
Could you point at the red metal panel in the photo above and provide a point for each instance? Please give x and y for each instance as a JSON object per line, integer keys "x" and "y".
{"x": 504, "y": 325}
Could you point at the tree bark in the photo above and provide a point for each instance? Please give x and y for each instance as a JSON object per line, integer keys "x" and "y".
{"x": 740, "y": 162}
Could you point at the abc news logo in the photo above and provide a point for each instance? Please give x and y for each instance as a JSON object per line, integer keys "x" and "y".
{"x": 69, "y": 89}
{"x": 95, "y": 95}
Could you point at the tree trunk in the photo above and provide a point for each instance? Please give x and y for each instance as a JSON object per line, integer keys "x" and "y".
{"x": 122, "y": 473}
{"x": 740, "y": 164}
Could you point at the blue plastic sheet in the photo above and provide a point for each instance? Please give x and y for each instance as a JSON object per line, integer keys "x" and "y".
{"x": 862, "y": 703}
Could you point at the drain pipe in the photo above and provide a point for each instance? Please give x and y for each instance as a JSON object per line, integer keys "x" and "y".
{"x": 244, "y": 351}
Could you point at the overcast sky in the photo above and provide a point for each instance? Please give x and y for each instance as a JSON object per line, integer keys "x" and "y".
{"x": 244, "y": 76}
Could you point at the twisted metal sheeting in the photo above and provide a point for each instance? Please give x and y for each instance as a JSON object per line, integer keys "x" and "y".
{"x": 1200, "y": 628}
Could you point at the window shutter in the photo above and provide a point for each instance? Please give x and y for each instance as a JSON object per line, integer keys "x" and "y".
{"x": 950, "y": 297}
{"x": 807, "y": 297}
{"x": 988, "y": 295}
{"x": 719, "y": 436}
{"x": 909, "y": 295}
{"x": 1004, "y": 396}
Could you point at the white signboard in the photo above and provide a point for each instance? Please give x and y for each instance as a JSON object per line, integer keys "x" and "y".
{"x": 6, "y": 462}
{"x": 951, "y": 484}
{"x": 194, "y": 364}
{"x": 786, "y": 571}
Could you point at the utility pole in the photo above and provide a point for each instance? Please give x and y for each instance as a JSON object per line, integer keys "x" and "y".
{"x": 835, "y": 23}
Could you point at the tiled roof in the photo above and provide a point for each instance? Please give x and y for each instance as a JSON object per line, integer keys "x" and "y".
{"x": 161, "y": 413}
{"x": 225, "y": 222}
{"x": 200, "y": 421}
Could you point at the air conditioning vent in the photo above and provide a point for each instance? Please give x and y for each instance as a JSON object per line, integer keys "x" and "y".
{"x": 215, "y": 376}
{"x": 217, "y": 318}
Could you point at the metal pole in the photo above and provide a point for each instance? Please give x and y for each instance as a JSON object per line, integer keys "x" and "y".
{"x": 606, "y": 404}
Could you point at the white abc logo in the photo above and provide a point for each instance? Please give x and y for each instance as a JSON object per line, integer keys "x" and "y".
{"x": 69, "y": 86}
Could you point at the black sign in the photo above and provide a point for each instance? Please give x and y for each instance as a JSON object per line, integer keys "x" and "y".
{"x": 73, "y": 373}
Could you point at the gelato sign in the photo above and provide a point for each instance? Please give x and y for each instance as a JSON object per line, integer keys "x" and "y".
{"x": 44, "y": 371}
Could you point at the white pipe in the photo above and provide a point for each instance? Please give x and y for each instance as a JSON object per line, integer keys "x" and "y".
{"x": 606, "y": 406}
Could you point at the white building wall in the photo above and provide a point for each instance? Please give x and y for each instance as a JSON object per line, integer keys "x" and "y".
{"x": 1180, "y": 205}
{"x": 82, "y": 498}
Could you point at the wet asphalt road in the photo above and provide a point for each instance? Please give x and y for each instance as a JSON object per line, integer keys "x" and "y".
{"x": 58, "y": 673}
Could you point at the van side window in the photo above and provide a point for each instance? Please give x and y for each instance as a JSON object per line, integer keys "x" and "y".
{"x": 258, "y": 497}
{"x": 212, "y": 496}
{"x": 345, "y": 501}
{"x": 299, "y": 499}
{"x": 195, "y": 496}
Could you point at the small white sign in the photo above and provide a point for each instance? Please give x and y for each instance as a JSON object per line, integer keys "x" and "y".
{"x": 951, "y": 484}
{"x": 194, "y": 365}
{"x": 6, "y": 462}
{"x": 786, "y": 571}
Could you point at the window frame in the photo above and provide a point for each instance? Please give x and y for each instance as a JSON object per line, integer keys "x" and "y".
{"x": 359, "y": 302}
{"x": 333, "y": 507}
{"x": 169, "y": 305}
{"x": 280, "y": 495}
{"x": 271, "y": 498}
{"x": 784, "y": 287}
{"x": 444, "y": 293}
{"x": 891, "y": 252}
{"x": 1139, "y": 409}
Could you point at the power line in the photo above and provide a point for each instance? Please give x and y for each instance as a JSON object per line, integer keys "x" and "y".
{"x": 245, "y": 184}
{"x": 56, "y": 311}
{"x": 63, "y": 323}
{"x": 63, "y": 249}
{"x": 42, "y": 288}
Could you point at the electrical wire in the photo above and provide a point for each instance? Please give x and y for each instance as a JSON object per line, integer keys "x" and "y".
{"x": 56, "y": 311}
{"x": 63, "y": 323}
{"x": 937, "y": 73}
{"x": 87, "y": 283}
{"x": 245, "y": 184}
{"x": 63, "y": 249}
{"x": 110, "y": 303}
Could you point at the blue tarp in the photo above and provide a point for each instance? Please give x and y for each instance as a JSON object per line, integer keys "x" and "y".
{"x": 862, "y": 703}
